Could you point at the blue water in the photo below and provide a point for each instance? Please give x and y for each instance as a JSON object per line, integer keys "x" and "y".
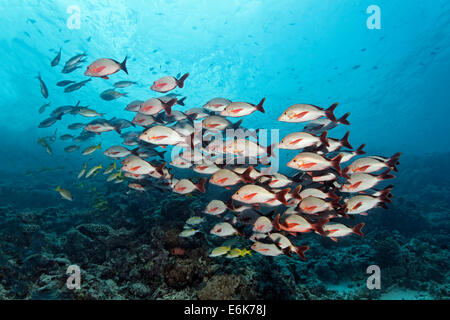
{"x": 393, "y": 80}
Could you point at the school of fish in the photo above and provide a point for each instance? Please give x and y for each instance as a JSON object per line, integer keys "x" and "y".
{"x": 330, "y": 180}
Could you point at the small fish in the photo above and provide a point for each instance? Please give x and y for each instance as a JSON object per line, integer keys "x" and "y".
{"x": 71, "y": 148}
{"x": 153, "y": 106}
{"x": 76, "y": 86}
{"x": 236, "y": 252}
{"x": 188, "y": 233}
{"x": 215, "y": 207}
{"x": 70, "y": 69}
{"x": 185, "y": 186}
{"x": 162, "y": 135}
{"x": 93, "y": 170}
{"x": 75, "y": 126}
{"x": 370, "y": 165}
{"x": 44, "y": 90}
{"x": 104, "y": 67}
{"x": 224, "y": 229}
{"x": 336, "y": 230}
{"x": 252, "y": 194}
{"x": 83, "y": 171}
{"x": 110, "y": 168}
{"x": 111, "y": 94}
{"x": 114, "y": 176}
{"x": 217, "y": 104}
{"x": 55, "y": 61}
{"x": 219, "y": 251}
{"x": 360, "y": 181}
{"x": 118, "y": 152}
{"x": 66, "y": 137}
{"x": 91, "y": 149}
{"x": 75, "y": 60}
{"x": 43, "y": 107}
{"x": 360, "y": 204}
{"x": 123, "y": 84}
{"x": 240, "y": 109}
{"x": 86, "y": 112}
{"x": 64, "y": 193}
{"x": 300, "y": 140}
{"x": 307, "y": 112}
{"x": 168, "y": 83}
{"x": 195, "y": 220}
{"x": 134, "y": 105}
{"x": 262, "y": 225}
{"x": 309, "y": 161}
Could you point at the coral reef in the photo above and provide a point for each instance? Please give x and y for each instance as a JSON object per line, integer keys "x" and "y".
{"x": 130, "y": 249}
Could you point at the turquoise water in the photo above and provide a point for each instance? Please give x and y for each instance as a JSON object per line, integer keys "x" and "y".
{"x": 393, "y": 81}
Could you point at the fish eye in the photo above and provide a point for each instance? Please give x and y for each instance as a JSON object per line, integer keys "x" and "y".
{"x": 294, "y": 160}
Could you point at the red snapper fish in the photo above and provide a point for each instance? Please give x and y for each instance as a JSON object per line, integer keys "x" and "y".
{"x": 253, "y": 194}
{"x": 307, "y": 112}
{"x": 309, "y": 161}
{"x": 104, "y": 67}
{"x": 362, "y": 181}
{"x": 336, "y": 230}
{"x": 240, "y": 109}
{"x": 168, "y": 83}
{"x": 154, "y": 105}
{"x": 185, "y": 186}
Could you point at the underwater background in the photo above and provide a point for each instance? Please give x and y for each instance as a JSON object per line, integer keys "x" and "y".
{"x": 393, "y": 80}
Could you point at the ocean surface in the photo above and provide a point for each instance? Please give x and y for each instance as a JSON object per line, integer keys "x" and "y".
{"x": 385, "y": 62}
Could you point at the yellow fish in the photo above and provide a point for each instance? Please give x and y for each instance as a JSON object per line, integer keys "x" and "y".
{"x": 64, "y": 193}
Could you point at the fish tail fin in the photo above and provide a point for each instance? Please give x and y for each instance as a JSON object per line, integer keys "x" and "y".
{"x": 393, "y": 160}
{"x": 123, "y": 65}
{"x": 135, "y": 151}
{"x": 201, "y": 185}
{"x": 332, "y": 195}
{"x": 230, "y": 204}
{"x": 276, "y": 222}
{"x": 280, "y": 196}
{"x": 385, "y": 175}
{"x": 344, "y": 141}
{"x": 180, "y": 82}
{"x": 335, "y": 163}
{"x": 245, "y": 176}
{"x": 329, "y": 113}
{"x": 161, "y": 154}
{"x": 323, "y": 139}
{"x": 189, "y": 140}
{"x": 181, "y": 101}
{"x": 259, "y": 106}
{"x": 300, "y": 251}
{"x": 296, "y": 192}
{"x": 168, "y": 106}
{"x": 160, "y": 168}
{"x": 318, "y": 226}
{"x": 237, "y": 124}
{"x": 384, "y": 196}
{"x": 360, "y": 150}
{"x": 357, "y": 229}
{"x": 298, "y": 178}
{"x": 58, "y": 188}
{"x": 343, "y": 119}
{"x": 270, "y": 149}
